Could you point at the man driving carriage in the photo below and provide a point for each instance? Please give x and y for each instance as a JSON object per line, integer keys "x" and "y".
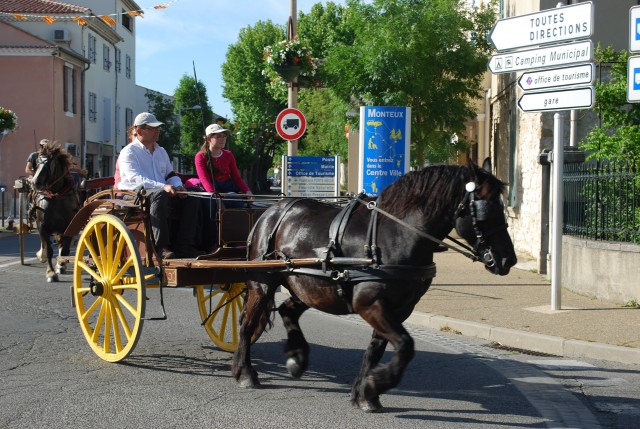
{"x": 145, "y": 164}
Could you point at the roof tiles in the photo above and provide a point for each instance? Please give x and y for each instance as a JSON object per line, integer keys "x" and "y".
{"x": 40, "y": 6}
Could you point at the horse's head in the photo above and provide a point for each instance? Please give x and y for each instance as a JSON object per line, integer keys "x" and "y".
{"x": 480, "y": 220}
{"x": 53, "y": 167}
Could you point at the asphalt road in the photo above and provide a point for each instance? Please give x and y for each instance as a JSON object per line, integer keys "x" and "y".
{"x": 177, "y": 378}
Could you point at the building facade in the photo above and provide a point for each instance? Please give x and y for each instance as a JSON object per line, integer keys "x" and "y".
{"x": 514, "y": 140}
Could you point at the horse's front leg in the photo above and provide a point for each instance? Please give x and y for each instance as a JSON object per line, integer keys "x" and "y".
{"x": 297, "y": 348}
{"x": 64, "y": 248}
{"x": 372, "y": 356}
{"x": 381, "y": 378}
{"x": 47, "y": 248}
{"x": 254, "y": 319}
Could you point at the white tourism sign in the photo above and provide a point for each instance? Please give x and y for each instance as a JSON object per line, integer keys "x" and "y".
{"x": 634, "y": 29}
{"x": 542, "y": 58}
{"x": 633, "y": 79}
{"x": 566, "y": 99}
{"x": 545, "y": 27}
{"x": 554, "y": 78}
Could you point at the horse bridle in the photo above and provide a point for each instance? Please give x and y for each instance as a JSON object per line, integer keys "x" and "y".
{"x": 478, "y": 210}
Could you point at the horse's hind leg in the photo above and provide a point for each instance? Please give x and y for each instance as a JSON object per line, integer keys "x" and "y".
{"x": 372, "y": 356}
{"x": 254, "y": 319}
{"x": 381, "y": 378}
{"x": 297, "y": 348}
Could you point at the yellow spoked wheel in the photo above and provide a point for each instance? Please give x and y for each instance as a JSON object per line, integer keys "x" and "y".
{"x": 109, "y": 290}
{"x": 220, "y": 308}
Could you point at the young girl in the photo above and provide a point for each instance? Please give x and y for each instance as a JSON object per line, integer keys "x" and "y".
{"x": 216, "y": 166}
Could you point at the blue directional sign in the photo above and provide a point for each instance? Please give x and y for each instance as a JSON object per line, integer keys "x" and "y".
{"x": 311, "y": 176}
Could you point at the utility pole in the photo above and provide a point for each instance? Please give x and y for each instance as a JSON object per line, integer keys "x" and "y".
{"x": 292, "y": 32}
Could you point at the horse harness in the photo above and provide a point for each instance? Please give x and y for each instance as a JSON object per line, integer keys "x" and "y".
{"x": 347, "y": 271}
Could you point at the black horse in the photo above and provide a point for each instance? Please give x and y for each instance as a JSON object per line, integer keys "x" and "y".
{"x": 378, "y": 263}
{"x": 55, "y": 203}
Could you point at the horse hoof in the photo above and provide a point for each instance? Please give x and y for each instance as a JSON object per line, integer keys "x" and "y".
{"x": 248, "y": 383}
{"x": 294, "y": 368}
{"x": 371, "y": 406}
{"x": 61, "y": 270}
{"x": 40, "y": 257}
{"x": 52, "y": 279}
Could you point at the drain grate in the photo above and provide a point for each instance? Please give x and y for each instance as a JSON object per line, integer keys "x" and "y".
{"x": 499, "y": 346}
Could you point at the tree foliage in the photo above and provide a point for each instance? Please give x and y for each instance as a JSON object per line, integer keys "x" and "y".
{"x": 192, "y": 107}
{"x": 254, "y": 109}
{"x": 618, "y": 136}
{"x": 162, "y": 108}
{"x": 427, "y": 54}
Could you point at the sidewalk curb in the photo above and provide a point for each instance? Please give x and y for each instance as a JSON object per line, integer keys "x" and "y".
{"x": 529, "y": 340}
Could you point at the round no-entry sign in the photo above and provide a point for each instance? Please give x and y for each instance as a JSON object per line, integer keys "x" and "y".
{"x": 291, "y": 124}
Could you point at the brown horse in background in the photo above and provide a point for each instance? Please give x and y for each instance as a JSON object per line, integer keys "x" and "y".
{"x": 56, "y": 203}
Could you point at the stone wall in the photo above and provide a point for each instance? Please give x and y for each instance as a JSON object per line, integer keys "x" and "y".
{"x": 601, "y": 269}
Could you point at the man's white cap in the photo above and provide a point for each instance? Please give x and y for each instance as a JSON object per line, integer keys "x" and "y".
{"x": 146, "y": 118}
{"x": 215, "y": 129}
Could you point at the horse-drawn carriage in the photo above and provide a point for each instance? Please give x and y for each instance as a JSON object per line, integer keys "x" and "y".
{"x": 349, "y": 255}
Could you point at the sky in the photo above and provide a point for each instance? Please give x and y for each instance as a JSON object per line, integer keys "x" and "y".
{"x": 170, "y": 40}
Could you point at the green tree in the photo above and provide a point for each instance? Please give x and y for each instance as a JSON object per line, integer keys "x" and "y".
{"x": 618, "y": 136}
{"x": 430, "y": 55}
{"x": 325, "y": 115}
{"x": 192, "y": 121}
{"x": 162, "y": 107}
{"x": 255, "y": 139}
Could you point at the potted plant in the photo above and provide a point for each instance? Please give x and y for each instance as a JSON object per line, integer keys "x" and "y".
{"x": 286, "y": 60}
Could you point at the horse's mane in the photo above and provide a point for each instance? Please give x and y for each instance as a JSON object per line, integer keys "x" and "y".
{"x": 56, "y": 153}
{"x": 436, "y": 188}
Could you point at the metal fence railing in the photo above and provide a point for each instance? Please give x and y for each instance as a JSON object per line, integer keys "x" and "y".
{"x": 602, "y": 201}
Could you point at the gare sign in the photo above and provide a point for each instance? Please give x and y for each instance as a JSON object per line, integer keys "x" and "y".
{"x": 566, "y": 99}
{"x": 545, "y": 27}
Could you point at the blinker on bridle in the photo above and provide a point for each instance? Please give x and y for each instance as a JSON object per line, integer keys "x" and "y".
{"x": 479, "y": 211}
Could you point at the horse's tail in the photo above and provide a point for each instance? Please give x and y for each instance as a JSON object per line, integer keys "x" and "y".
{"x": 266, "y": 316}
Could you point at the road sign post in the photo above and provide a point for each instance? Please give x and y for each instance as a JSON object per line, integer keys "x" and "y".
{"x": 562, "y": 24}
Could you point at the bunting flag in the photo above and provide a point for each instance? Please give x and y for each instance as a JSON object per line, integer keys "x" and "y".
{"x": 108, "y": 20}
{"x": 82, "y": 19}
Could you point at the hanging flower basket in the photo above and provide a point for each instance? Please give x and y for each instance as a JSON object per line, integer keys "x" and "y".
{"x": 286, "y": 60}
{"x": 8, "y": 120}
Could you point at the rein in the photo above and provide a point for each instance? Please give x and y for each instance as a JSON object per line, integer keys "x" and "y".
{"x": 371, "y": 205}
